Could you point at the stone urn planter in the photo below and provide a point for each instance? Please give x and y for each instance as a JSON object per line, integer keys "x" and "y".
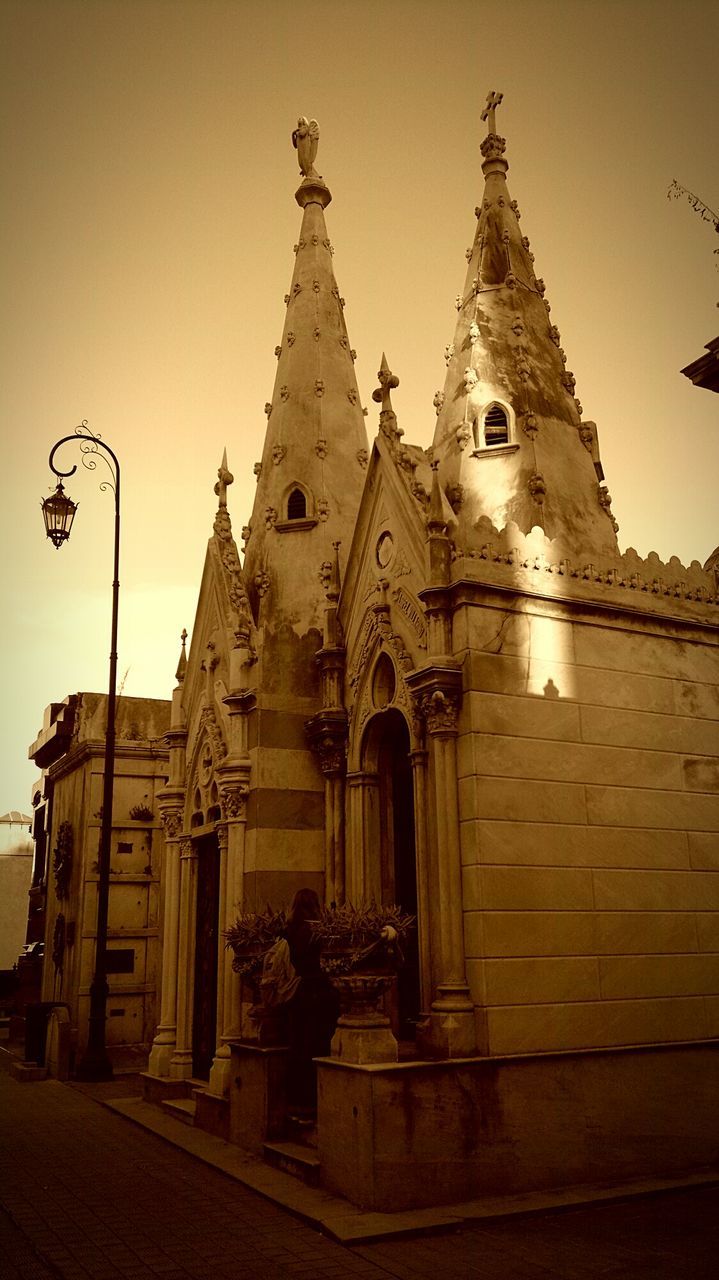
{"x": 362, "y": 948}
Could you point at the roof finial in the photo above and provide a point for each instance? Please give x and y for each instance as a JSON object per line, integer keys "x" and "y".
{"x": 182, "y": 664}
{"x": 225, "y": 478}
{"x": 304, "y": 139}
{"x": 493, "y": 101}
{"x": 387, "y": 382}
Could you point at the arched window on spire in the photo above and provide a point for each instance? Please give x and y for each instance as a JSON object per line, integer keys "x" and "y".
{"x": 495, "y": 425}
{"x": 297, "y": 505}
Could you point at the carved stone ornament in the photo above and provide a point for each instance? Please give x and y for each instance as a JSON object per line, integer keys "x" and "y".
{"x": 510, "y": 280}
{"x": 505, "y": 236}
{"x": 569, "y": 381}
{"x": 245, "y": 535}
{"x": 270, "y": 516}
{"x": 352, "y": 395}
{"x": 315, "y": 239}
{"x": 234, "y": 800}
{"x": 586, "y": 435}
{"x": 555, "y": 335}
{"x": 605, "y": 502}
{"x": 278, "y": 352}
{"x": 284, "y": 393}
{"x": 353, "y": 354}
{"x": 343, "y": 342}
{"x": 278, "y": 453}
{"x": 62, "y": 860}
{"x": 316, "y": 286}
{"x": 459, "y": 302}
{"x": 319, "y": 387}
{"x": 362, "y": 457}
{"x": 172, "y": 822}
{"x": 474, "y": 332}
{"x": 515, "y": 209}
{"x": 186, "y": 850}
{"x": 262, "y": 582}
{"x": 455, "y": 496}
{"x": 518, "y": 326}
{"x": 477, "y": 211}
{"x": 529, "y": 425}
{"x": 537, "y": 487}
{"x": 208, "y": 722}
{"x": 449, "y": 351}
{"x": 440, "y": 711}
{"x": 463, "y": 434}
{"x": 325, "y": 574}
{"x": 287, "y": 299}
{"x": 493, "y": 146}
{"x": 316, "y": 333}
{"x": 268, "y": 407}
{"x": 470, "y": 379}
{"x": 257, "y": 470}
{"x": 321, "y": 447}
{"x": 296, "y": 288}
{"x": 468, "y": 254}
{"x": 323, "y": 508}
{"x": 290, "y": 338}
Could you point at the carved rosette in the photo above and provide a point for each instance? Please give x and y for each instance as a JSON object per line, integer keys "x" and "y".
{"x": 234, "y": 801}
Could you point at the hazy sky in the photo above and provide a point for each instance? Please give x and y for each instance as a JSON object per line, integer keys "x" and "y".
{"x": 147, "y": 228}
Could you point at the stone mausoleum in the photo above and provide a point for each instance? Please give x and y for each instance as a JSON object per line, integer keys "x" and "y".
{"x": 432, "y": 678}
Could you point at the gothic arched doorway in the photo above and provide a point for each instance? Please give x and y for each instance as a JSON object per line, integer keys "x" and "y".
{"x": 390, "y": 855}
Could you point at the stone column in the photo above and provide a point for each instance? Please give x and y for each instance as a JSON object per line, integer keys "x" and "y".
{"x": 418, "y": 759}
{"x": 452, "y": 1018}
{"x": 231, "y": 836}
{"x": 362, "y": 884}
{"x": 181, "y": 1062}
{"x": 163, "y": 1046}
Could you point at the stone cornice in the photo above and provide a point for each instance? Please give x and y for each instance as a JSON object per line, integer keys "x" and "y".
{"x": 92, "y": 749}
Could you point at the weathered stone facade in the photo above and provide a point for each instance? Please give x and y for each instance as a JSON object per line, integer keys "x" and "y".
{"x": 437, "y": 681}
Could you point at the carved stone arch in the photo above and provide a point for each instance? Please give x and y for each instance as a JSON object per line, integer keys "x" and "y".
{"x": 289, "y": 497}
{"x": 208, "y": 751}
{"x": 374, "y": 648}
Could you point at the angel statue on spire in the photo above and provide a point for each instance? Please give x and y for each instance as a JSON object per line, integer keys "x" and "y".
{"x": 304, "y": 139}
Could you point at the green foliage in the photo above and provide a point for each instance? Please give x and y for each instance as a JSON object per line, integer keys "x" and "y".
{"x": 348, "y": 927}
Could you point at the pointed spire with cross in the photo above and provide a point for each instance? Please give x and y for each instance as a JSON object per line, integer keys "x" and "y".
{"x": 382, "y": 395}
{"x": 182, "y": 664}
{"x": 492, "y": 147}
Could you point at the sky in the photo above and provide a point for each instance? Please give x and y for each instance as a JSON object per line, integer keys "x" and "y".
{"x": 147, "y": 226}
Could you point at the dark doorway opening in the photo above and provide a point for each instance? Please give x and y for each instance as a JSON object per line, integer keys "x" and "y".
{"x": 397, "y": 842}
{"x": 204, "y": 1021}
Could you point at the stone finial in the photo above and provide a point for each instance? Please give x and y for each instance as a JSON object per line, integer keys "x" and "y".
{"x": 182, "y": 664}
{"x": 305, "y": 139}
{"x": 387, "y": 382}
{"x": 224, "y": 478}
{"x": 436, "y": 522}
{"x": 334, "y": 582}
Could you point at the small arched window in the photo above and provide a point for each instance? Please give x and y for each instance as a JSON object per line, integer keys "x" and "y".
{"x": 496, "y": 425}
{"x": 297, "y": 505}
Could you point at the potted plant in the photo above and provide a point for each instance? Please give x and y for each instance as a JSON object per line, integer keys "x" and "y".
{"x": 250, "y": 937}
{"x": 368, "y": 939}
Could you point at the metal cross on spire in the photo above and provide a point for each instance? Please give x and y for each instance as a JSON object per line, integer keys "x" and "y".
{"x": 225, "y": 478}
{"x": 493, "y": 101}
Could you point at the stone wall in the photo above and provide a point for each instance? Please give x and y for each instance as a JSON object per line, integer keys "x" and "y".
{"x": 590, "y": 822}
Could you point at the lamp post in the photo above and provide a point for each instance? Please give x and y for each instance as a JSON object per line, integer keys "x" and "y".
{"x": 58, "y": 513}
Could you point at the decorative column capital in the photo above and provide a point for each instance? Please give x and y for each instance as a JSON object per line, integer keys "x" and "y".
{"x": 233, "y": 799}
{"x": 186, "y": 849}
{"x": 440, "y": 711}
{"x": 222, "y": 835}
{"x": 172, "y": 822}
{"x": 436, "y": 697}
{"x": 327, "y": 733}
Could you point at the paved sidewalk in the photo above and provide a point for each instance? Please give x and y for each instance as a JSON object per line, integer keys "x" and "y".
{"x": 87, "y": 1194}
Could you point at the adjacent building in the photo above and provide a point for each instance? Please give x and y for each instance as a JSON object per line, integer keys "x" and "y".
{"x": 70, "y": 751}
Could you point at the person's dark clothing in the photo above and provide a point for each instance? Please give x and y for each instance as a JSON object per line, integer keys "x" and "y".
{"x": 312, "y": 1017}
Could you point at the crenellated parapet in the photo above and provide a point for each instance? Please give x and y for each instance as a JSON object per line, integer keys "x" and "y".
{"x": 513, "y": 557}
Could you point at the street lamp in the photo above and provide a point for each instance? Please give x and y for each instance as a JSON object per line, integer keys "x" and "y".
{"x": 58, "y": 512}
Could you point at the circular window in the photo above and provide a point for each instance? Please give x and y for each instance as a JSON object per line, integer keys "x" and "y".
{"x": 384, "y": 681}
{"x": 385, "y": 549}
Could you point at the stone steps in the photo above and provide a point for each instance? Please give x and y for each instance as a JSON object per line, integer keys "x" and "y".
{"x": 295, "y": 1158}
{"x": 181, "y": 1108}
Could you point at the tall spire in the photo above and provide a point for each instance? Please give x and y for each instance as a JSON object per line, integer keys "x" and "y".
{"x": 509, "y": 426}
{"x": 315, "y": 453}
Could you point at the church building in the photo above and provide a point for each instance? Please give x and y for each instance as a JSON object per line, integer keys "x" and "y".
{"x": 431, "y": 678}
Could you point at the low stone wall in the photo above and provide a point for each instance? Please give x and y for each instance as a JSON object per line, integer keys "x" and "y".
{"x": 397, "y": 1136}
